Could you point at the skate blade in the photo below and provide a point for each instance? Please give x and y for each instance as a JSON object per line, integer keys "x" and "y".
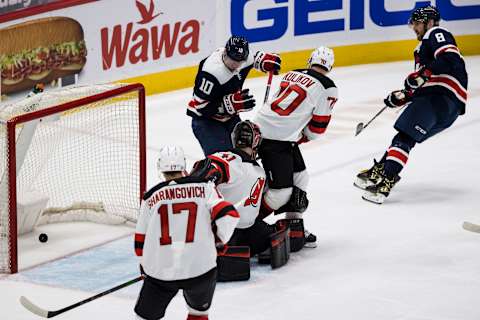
{"x": 361, "y": 184}
{"x": 310, "y": 245}
{"x": 374, "y": 197}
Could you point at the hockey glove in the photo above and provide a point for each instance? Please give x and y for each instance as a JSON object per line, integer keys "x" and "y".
{"x": 303, "y": 139}
{"x": 298, "y": 202}
{"x": 417, "y": 79}
{"x": 238, "y": 102}
{"x": 397, "y": 98}
{"x": 267, "y": 62}
{"x": 142, "y": 272}
{"x": 205, "y": 170}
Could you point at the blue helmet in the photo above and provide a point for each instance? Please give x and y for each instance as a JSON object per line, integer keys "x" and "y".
{"x": 424, "y": 14}
{"x": 237, "y": 48}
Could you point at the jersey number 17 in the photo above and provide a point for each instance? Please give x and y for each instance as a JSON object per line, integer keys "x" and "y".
{"x": 190, "y": 207}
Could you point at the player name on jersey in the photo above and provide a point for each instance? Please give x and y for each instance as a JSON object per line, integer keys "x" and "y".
{"x": 296, "y": 77}
{"x": 176, "y": 193}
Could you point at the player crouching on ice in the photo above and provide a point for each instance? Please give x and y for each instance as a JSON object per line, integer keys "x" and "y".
{"x": 179, "y": 223}
{"x": 218, "y": 97}
{"x": 241, "y": 180}
{"x": 435, "y": 95}
{"x": 299, "y": 112}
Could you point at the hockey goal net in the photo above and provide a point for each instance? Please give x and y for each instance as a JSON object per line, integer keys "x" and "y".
{"x": 79, "y": 150}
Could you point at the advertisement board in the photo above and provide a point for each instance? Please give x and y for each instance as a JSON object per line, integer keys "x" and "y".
{"x": 161, "y": 42}
{"x": 12, "y": 5}
{"x": 115, "y": 41}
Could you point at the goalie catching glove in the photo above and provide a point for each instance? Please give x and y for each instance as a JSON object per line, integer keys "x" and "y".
{"x": 237, "y": 102}
{"x": 267, "y": 62}
{"x": 397, "y": 98}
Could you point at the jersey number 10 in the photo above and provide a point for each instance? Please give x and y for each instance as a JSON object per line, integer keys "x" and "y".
{"x": 191, "y": 207}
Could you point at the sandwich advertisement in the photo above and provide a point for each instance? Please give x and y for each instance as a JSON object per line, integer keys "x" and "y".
{"x": 59, "y": 50}
{"x": 105, "y": 41}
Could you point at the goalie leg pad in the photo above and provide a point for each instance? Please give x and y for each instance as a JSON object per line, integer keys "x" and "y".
{"x": 234, "y": 264}
{"x": 280, "y": 251}
{"x": 297, "y": 233}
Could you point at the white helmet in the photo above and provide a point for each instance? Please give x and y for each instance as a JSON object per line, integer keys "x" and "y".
{"x": 322, "y": 56}
{"x": 171, "y": 158}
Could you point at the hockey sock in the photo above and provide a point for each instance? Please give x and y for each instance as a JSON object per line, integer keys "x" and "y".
{"x": 397, "y": 154}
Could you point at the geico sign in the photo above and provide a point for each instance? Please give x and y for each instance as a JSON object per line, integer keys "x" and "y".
{"x": 275, "y": 16}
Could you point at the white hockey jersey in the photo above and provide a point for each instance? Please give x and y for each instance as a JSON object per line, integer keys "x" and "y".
{"x": 174, "y": 236}
{"x": 242, "y": 183}
{"x": 302, "y": 106}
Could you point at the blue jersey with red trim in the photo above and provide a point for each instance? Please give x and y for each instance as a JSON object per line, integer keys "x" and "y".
{"x": 439, "y": 53}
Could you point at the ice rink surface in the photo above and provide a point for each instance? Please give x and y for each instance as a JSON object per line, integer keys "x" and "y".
{"x": 408, "y": 259}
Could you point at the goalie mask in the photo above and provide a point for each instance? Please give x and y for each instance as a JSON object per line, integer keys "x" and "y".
{"x": 171, "y": 158}
{"x": 246, "y": 134}
{"x": 323, "y": 57}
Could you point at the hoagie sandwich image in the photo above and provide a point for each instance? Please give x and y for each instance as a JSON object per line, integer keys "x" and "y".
{"x": 40, "y": 50}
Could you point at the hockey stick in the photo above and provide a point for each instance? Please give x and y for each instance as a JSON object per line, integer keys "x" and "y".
{"x": 30, "y": 306}
{"x": 361, "y": 126}
{"x": 269, "y": 84}
{"x": 471, "y": 227}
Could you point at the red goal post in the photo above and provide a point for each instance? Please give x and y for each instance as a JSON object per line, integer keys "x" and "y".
{"x": 80, "y": 150}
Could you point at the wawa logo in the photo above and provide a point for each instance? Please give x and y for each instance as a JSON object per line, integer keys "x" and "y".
{"x": 146, "y": 40}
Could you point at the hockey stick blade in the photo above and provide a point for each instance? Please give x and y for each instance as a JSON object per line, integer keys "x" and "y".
{"x": 30, "y": 306}
{"x": 471, "y": 227}
{"x": 359, "y": 128}
{"x": 33, "y": 308}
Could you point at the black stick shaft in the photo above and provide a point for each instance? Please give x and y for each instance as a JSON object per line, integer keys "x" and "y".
{"x": 101, "y": 294}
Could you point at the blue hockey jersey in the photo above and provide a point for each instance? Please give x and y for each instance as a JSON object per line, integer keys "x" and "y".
{"x": 439, "y": 53}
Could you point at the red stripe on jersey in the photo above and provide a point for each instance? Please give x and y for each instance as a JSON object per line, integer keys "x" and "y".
{"x": 222, "y": 209}
{"x": 450, "y": 84}
{"x": 449, "y": 47}
{"x": 397, "y": 155}
{"x": 317, "y": 118}
{"x": 139, "y": 242}
{"x": 224, "y": 166}
{"x": 194, "y": 317}
{"x": 194, "y": 103}
{"x": 316, "y": 129}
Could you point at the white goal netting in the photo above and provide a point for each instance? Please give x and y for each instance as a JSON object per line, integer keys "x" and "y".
{"x": 73, "y": 158}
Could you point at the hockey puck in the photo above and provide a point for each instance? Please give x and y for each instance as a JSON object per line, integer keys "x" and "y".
{"x": 43, "y": 237}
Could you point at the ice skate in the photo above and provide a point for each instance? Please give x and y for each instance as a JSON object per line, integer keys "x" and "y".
{"x": 379, "y": 192}
{"x": 369, "y": 177}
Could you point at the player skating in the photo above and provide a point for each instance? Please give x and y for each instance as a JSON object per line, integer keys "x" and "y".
{"x": 435, "y": 95}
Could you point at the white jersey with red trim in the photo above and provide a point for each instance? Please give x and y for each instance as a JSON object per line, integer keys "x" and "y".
{"x": 174, "y": 235}
{"x": 302, "y": 106}
{"x": 242, "y": 183}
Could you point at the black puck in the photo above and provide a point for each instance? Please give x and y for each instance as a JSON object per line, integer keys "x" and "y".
{"x": 43, "y": 237}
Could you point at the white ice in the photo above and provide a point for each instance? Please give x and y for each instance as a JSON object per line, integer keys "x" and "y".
{"x": 408, "y": 259}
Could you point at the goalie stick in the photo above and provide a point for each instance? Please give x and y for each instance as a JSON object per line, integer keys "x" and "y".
{"x": 30, "y": 306}
{"x": 471, "y": 227}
